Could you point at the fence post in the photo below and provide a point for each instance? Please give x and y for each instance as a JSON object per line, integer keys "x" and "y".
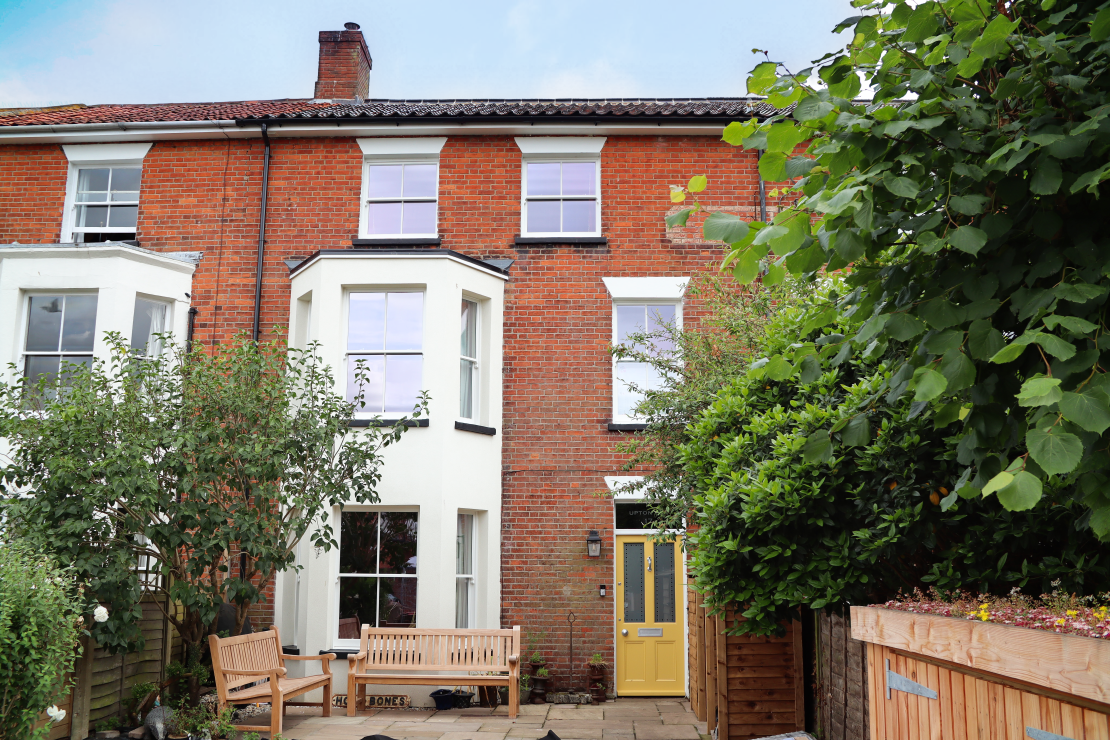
{"x": 82, "y": 690}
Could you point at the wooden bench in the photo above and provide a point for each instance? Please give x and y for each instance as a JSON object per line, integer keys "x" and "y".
{"x": 434, "y": 658}
{"x": 247, "y": 659}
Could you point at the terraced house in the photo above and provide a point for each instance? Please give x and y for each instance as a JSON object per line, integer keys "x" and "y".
{"x": 487, "y": 251}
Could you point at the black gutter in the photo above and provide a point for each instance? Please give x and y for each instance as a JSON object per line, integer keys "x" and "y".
{"x": 262, "y": 230}
{"x": 610, "y": 120}
{"x": 426, "y": 251}
{"x": 192, "y": 322}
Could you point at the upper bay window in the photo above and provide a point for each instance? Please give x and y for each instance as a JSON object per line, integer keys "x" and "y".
{"x": 60, "y": 329}
{"x": 400, "y": 188}
{"x": 385, "y": 341}
{"x": 561, "y": 186}
{"x": 102, "y": 198}
{"x": 468, "y": 361}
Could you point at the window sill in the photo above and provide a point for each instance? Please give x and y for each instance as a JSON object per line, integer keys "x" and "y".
{"x": 476, "y": 428}
{"x": 340, "y": 653}
{"x": 290, "y": 650}
{"x": 595, "y": 240}
{"x": 386, "y": 422}
{"x": 397, "y": 242}
{"x": 620, "y": 427}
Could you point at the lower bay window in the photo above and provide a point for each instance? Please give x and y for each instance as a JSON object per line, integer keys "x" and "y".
{"x": 384, "y": 352}
{"x": 60, "y": 329}
{"x": 464, "y": 572}
{"x": 377, "y": 570}
{"x": 150, "y": 321}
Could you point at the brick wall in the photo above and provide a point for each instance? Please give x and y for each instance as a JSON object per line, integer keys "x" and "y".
{"x": 344, "y": 68}
{"x": 204, "y": 195}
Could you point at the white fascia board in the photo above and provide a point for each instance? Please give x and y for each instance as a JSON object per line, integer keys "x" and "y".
{"x": 73, "y": 251}
{"x": 560, "y": 144}
{"x": 365, "y": 256}
{"x": 646, "y": 288}
{"x": 407, "y": 147}
{"x": 81, "y": 133}
{"x": 91, "y": 153}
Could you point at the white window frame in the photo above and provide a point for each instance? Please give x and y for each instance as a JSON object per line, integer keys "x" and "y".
{"x": 627, "y": 418}
{"x": 334, "y": 627}
{"x": 476, "y": 362}
{"x": 472, "y": 577}
{"x": 168, "y": 329}
{"x": 550, "y": 149}
{"x": 394, "y": 151}
{"x": 97, "y": 156}
{"x": 25, "y": 327}
{"x": 347, "y": 353}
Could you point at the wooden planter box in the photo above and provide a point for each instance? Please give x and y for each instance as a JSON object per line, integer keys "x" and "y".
{"x": 947, "y": 678}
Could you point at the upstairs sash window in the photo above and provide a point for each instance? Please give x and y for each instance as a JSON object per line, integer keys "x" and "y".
{"x": 107, "y": 204}
{"x": 561, "y": 198}
{"x": 401, "y": 199}
{"x": 385, "y": 340}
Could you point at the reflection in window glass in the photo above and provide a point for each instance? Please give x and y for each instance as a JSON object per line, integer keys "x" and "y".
{"x": 385, "y": 351}
{"x": 377, "y": 570}
{"x": 60, "y": 329}
{"x": 107, "y": 204}
{"x": 401, "y": 199}
{"x": 464, "y": 572}
{"x": 631, "y": 379}
{"x": 634, "y": 593}
{"x": 468, "y": 369}
{"x": 149, "y": 321}
{"x": 664, "y": 581}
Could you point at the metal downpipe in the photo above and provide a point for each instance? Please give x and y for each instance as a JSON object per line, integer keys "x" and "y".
{"x": 262, "y": 231}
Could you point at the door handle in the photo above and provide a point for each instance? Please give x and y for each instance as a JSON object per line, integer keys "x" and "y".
{"x": 624, "y": 633}
{"x": 649, "y": 563}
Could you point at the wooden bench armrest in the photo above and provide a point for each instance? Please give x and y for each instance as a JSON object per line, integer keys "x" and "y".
{"x": 325, "y": 660}
{"x": 270, "y": 672}
{"x": 356, "y": 656}
{"x": 513, "y": 659}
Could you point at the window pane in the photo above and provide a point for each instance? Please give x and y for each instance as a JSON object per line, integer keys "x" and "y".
{"x": 543, "y": 216}
{"x": 123, "y": 217}
{"x": 358, "y": 542}
{"x": 578, "y": 215}
{"x": 92, "y": 217}
{"x": 397, "y": 602}
{"x": 469, "y": 328}
{"x": 630, "y": 320}
{"x": 78, "y": 328}
{"x": 373, "y": 383}
{"x": 405, "y": 322}
{"x": 630, "y": 373}
{"x": 94, "y": 197}
{"x": 634, "y": 581}
{"x": 658, "y": 319}
{"x": 420, "y": 181}
{"x": 402, "y": 382}
{"x": 44, "y": 323}
{"x": 632, "y": 515}
{"x": 398, "y": 542}
{"x": 419, "y": 218}
{"x": 462, "y": 603}
{"x": 366, "y": 322}
{"x": 358, "y": 599}
{"x": 384, "y": 218}
{"x": 125, "y": 179}
{"x": 38, "y": 368}
{"x": 384, "y": 181}
{"x": 579, "y": 178}
{"x": 92, "y": 179}
{"x": 125, "y": 196}
{"x": 543, "y": 178}
{"x": 464, "y": 546}
{"x": 467, "y": 375}
{"x": 664, "y": 582}
{"x": 149, "y": 320}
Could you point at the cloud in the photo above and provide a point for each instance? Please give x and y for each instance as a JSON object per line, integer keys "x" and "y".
{"x": 594, "y": 80}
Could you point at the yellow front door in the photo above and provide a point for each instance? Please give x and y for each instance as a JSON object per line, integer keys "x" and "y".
{"x": 650, "y": 613}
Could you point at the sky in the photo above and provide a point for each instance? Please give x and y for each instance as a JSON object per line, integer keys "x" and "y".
{"x": 55, "y": 52}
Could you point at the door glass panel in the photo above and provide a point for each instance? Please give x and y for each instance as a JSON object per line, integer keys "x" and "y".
{"x": 664, "y": 582}
{"x": 633, "y": 515}
{"x": 634, "y": 582}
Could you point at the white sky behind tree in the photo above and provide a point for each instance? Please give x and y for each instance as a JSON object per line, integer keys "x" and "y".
{"x": 154, "y": 51}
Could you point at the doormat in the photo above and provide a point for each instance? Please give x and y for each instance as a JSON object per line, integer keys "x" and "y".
{"x": 568, "y": 697}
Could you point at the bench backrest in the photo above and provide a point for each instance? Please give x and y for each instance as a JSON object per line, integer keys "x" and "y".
{"x": 439, "y": 650}
{"x": 260, "y": 651}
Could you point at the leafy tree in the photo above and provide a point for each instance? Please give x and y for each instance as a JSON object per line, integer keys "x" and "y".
{"x": 971, "y": 216}
{"x": 40, "y": 624}
{"x": 207, "y": 465}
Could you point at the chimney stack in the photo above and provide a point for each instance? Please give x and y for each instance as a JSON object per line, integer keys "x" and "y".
{"x": 345, "y": 65}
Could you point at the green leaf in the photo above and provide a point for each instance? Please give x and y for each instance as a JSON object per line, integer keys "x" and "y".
{"x": 799, "y": 166}
{"x": 858, "y": 432}
{"x": 984, "y": 340}
{"x": 997, "y": 483}
{"x": 947, "y": 414}
{"x": 775, "y": 274}
{"x": 784, "y": 137}
{"x": 1055, "y": 451}
{"x": 1071, "y": 323}
{"x": 679, "y": 219}
{"x": 823, "y": 318}
{"x": 697, "y": 183}
{"x": 762, "y": 77}
{"x": 1022, "y": 493}
{"x": 746, "y": 267}
{"x": 903, "y": 187}
{"x": 818, "y": 447}
{"x": 736, "y": 132}
{"x": 772, "y": 166}
{"x": 1088, "y": 410}
{"x": 1078, "y": 292}
{"x": 810, "y": 369}
{"x": 921, "y": 25}
{"x": 724, "y": 227}
{"x": 810, "y": 259}
{"x": 992, "y": 40}
{"x": 1047, "y": 176}
{"x": 848, "y": 245}
{"x": 957, "y": 370}
{"x": 939, "y": 313}
{"x": 968, "y": 205}
{"x": 903, "y": 326}
{"x": 968, "y": 239}
{"x": 777, "y": 368}
{"x": 1056, "y": 346}
{"x": 928, "y": 384}
{"x": 1009, "y": 353}
{"x": 811, "y": 108}
{"x": 1039, "y": 392}
{"x": 1100, "y": 26}
{"x": 848, "y": 88}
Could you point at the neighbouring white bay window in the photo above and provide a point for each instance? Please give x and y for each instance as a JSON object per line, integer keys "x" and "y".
{"x": 464, "y": 572}
{"x": 150, "y": 321}
{"x": 468, "y": 361}
{"x": 384, "y": 351}
{"x": 377, "y": 570}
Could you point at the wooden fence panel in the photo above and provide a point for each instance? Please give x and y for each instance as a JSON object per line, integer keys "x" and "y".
{"x": 843, "y": 705}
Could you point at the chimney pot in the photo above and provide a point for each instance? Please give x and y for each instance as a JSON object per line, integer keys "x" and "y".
{"x": 351, "y": 26}
{"x": 345, "y": 64}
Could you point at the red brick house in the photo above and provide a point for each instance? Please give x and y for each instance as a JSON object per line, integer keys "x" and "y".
{"x": 373, "y": 227}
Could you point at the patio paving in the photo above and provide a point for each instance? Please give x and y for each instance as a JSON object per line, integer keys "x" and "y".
{"x": 623, "y": 719}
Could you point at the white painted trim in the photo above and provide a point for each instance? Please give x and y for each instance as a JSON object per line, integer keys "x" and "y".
{"x": 365, "y": 256}
{"x": 125, "y": 251}
{"x": 114, "y": 153}
{"x": 616, "y": 484}
{"x": 560, "y": 144}
{"x": 646, "y": 288}
{"x": 407, "y": 147}
{"x": 528, "y": 159}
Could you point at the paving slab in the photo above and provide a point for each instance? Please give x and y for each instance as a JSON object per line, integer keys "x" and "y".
{"x": 574, "y": 712}
{"x": 678, "y": 718}
{"x": 646, "y": 731}
{"x": 587, "y": 724}
{"x": 473, "y": 736}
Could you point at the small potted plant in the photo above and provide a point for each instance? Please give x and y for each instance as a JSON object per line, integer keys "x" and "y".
{"x": 537, "y": 662}
{"x": 533, "y": 648}
{"x": 595, "y": 669}
{"x": 597, "y": 693}
{"x": 539, "y": 685}
{"x": 525, "y": 689}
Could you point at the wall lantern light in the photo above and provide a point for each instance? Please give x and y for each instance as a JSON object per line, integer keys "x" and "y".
{"x": 593, "y": 544}
{"x": 601, "y": 590}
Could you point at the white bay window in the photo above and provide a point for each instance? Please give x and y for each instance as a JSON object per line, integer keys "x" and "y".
{"x": 384, "y": 351}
